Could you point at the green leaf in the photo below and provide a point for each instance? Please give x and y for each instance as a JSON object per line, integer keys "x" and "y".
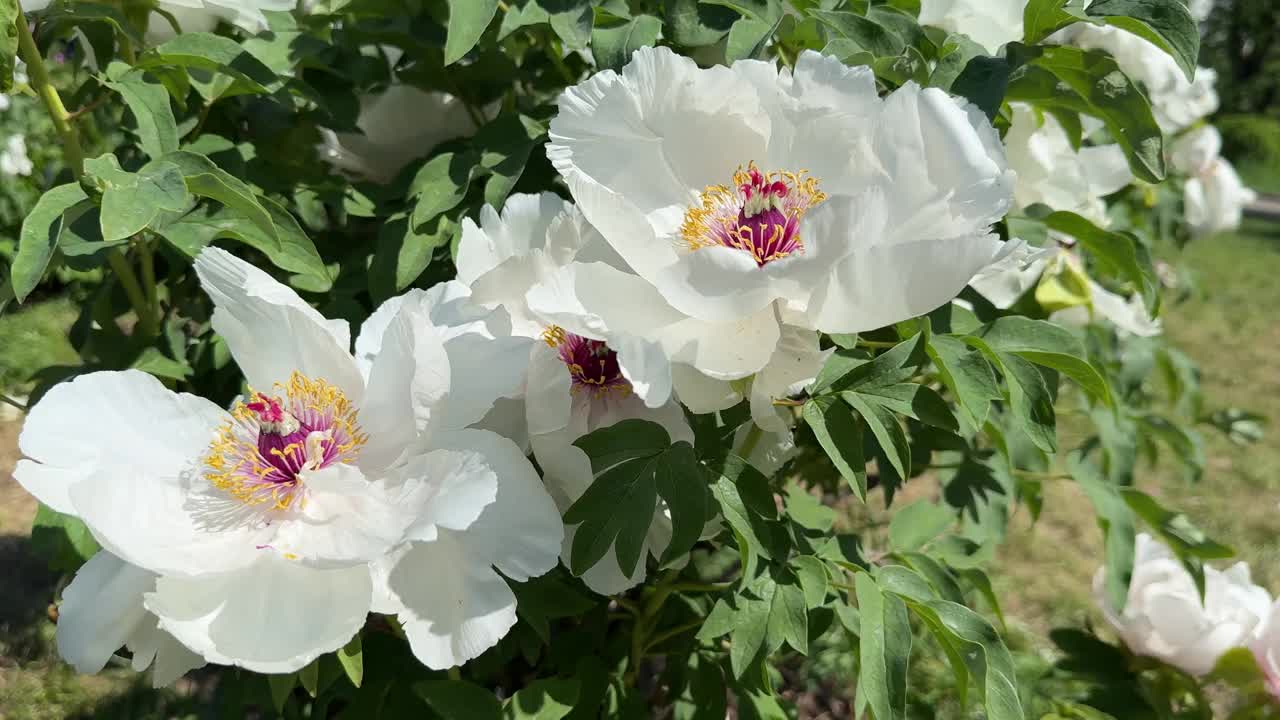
{"x": 788, "y": 619}
{"x": 840, "y": 436}
{"x": 545, "y": 699}
{"x": 506, "y": 144}
{"x": 749, "y": 637}
{"x": 548, "y": 597}
{"x": 766, "y": 11}
{"x": 309, "y": 677}
{"x": 281, "y": 687}
{"x": 149, "y": 102}
{"x": 680, "y": 484}
{"x": 467, "y": 22}
{"x": 812, "y": 575}
{"x": 402, "y": 253}
{"x": 693, "y": 24}
{"x": 1090, "y": 82}
{"x": 984, "y": 81}
{"x": 623, "y": 441}
{"x": 920, "y": 402}
{"x": 132, "y": 202}
{"x": 63, "y": 541}
{"x": 862, "y": 32}
{"x": 614, "y": 41}
{"x": 206, "y": 179}
{"x": 915, "y": 525}
{"x": 616, "y": 510}
{"x": 1117, "y": 523}
{"x": 157, "y": 363}
{"x": 38, "y": 239}
{"x": 967, "y": 374}
{"x": 1047, "y": 344}
{"x": 992, "y": 666}
{"x": 245, "y": 73}
{"x": 459, "y": 700}
{"x": 749, "y": 39}
{"x": 8, "y": 42}
{"x": 1176, "y": 530}
{"x": 571, "y": 20}
{"x": 1167, "y": 25}
{"x": 1119, "y": 253}
{"x": 884, "y": 649}
{"x": 351, "y": 657}
{"x": 441, "y": 184}
{"x": 1042, "y": 18}
{"x": 891, "y": 367}
{"x": 889, "y": 433}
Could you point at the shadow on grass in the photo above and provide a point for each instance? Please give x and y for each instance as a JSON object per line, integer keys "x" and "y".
{"x": 25, "y": 595}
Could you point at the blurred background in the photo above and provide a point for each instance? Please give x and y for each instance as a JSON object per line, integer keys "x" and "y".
{"x": 1226, "y": 321}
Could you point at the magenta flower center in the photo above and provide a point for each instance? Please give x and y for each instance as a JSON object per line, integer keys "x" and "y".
{"x": 760, "y": 214}
{"x": 592, "y": 365}
{"x": 272, "y": 441}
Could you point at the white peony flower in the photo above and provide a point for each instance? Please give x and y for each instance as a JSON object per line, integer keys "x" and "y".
{"x": 1004, "y": 282}
{"x": 576, "y": 383}
{"x": 990, "y": 23}
{"x": 519, "y": 533}
{"x": 13, "y": 158}
{"x": 874, "y": 211}
{"x": 1266, "y": 649}
{"x": 1175, "y": 101}
{"x": 397, "y": 126}
{"x": 261, "y": 522}
{"x": 1051, "y": 172}
{"x": 1163, "y": 617}
{"x": 103, "y": 609}
{"x": 1200, "y": 9}
{"x": 1214, "y": 196}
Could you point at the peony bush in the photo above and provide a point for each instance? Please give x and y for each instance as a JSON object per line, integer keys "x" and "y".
{"x": 646, "y": 294}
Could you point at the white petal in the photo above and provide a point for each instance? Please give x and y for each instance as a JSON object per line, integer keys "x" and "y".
{"x": 270, "y": 330}
{"x": 449, "y": 487}
{"x": 409, "y": 377}
{"x": 635, "y": 147}
{"x": 507, "y": 418}
{"x": 702, "y": 394}
{"x": 727, "y": 350}
{"x": 454, "y": 605}
{"x": 100, "y": 610}
{"x": 1106, "y": 168}
{"x": 794, "y": 365}
{"x": 521, "y": 227}
{"x": 111, "y": 418}
{"x": 945, "y": 166}
{"x": 157, "y": 649}
{"x": 274, "y": 616}
{"x": 990, "y": 23}
{"x": 884, "y": 285}
{"x": 644, "y": 364}
{"x": 520, "y": 532}
{"x": 344, "y": 519}
{"x": 548, "y": 400}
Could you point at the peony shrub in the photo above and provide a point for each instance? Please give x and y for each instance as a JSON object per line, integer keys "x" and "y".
{"x": 646, "y": 293}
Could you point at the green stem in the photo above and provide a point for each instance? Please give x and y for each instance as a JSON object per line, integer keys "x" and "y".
{"x": 701, "y": 587}
{"x": 132, "y": 290}
{"x": 673, "y": 632}
{"x": 554, "y": 54}
{"x": 148, "y": 263}
{"x": 72, "y": 153}
{"x": 10, "y": 401}
{"x": 455, "y": 673}
{"x": 750, "y": 442}
{"x": 876, "y": 343}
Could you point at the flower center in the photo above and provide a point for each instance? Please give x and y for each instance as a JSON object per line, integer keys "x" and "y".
{"x": 260, "y": 455}
{"x": 592, "y": 365}
{"x": 759, "y": 215}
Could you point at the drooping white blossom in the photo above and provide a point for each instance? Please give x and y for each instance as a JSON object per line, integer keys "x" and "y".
{"x": 1051, "y": 172}
{"x": 397, "y": 126}
{"x": 13, "y": 157}
{"x": 990, "y": 23}
{"x": 1164, "y": 618}
{"x": 1214, "y": 196}
{"x": 1175, "y": 101}
{"x": 761, "y": 206}
{"x": 262, "y": 522}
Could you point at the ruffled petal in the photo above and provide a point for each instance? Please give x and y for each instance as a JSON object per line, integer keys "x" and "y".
{"x": 270, "y": 330}
{"x": 274, "y": 616}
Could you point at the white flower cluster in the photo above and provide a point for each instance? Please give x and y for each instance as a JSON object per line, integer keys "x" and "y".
{"x": 722, "y": 219}
{"x": 13, "y": 157}
{"x": 1052, "y": 172}
{"x": 1165, "y": 618}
